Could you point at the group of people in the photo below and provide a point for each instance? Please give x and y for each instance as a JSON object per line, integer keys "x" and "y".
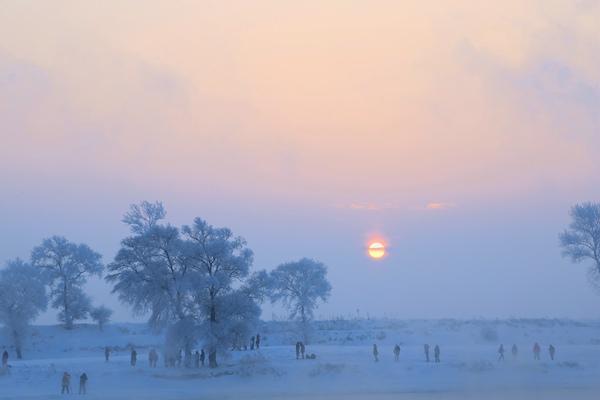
{"x": 200, "y": 357}
{"x": 255, "y": 341}
{"x": 436, "y": 352}
{"x": 243, "y": 345}
{"x": 66, "y": 383}
{"x": 536, "y": 351}
{"x": 301, "y": 353}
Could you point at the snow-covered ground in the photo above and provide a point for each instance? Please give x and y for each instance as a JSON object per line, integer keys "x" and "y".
{"x": 344, "y": 367}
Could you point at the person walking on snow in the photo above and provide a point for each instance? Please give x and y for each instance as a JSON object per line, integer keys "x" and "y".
{"x": 501, "y": 353}
{"x": 179, "y": 358}
{"x": 82, "y": 382}
{"x": 202, "y": 357}
{"x": 133, "y": 357}
{"x": 375, "y": 353}
{"x": 397, "y": 352}
{"x": 536, "y": 351}
{"x": 197, "y": 359}
{"x": 515, "y": 351}
{"x": 153, "y": 358}
{"x": 4, "y": 359}
{"x": 436, "y": 353}
{"x": 297, "y": 350}
{"x": 66, "y": 383}
{"x": 302, "y": 349}
{"x": 257, "y": 341}
{"x": 426, "y": 349}
{"x": 552, "y": 351}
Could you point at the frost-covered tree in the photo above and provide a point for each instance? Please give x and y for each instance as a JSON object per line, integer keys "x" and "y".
{"x": 194, "y": 281}
{"x": 144, "y": 216}
{"x": 581, "y": 241}
{"x": 224, "y": 290}
{"x": 101, "y": 315}
{"x": 300, "y": 285}
{"x": 150, "y": 272}
{"x": 22, "y": 298}
{"x": 66, "y": 267}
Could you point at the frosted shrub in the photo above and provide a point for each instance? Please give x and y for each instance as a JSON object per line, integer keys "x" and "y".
{"x": 489, "y": 334}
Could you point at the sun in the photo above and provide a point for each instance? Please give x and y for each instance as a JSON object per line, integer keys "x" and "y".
{"x": 376, "y": 250}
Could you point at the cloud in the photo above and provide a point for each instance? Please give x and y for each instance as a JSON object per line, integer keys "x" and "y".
{"x": 436, "y": 206}
{"x": 365, "y": 206}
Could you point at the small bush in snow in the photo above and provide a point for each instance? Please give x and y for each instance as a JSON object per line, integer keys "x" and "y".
{"x": 101, "y": 315}
{"x": 489, "y": 334}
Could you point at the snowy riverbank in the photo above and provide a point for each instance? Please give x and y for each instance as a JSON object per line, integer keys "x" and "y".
{"x": 344, "y": 365}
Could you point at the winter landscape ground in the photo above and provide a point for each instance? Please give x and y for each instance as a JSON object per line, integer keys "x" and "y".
{"x": 344, "y": 367}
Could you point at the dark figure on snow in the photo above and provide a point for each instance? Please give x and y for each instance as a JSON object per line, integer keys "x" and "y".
{"x": 375, "y": 353}
{"x": 133, "y": 357}
{"x": 82, "y": 382}
{"x": 552, "y": 351}
{"x": 536, "y": 351}
{"x": 252, "y": 343}
{"x": 66, "y": 383}
{"x": 257, "y": 341}
{"x": 106, "y": 353}
{"x": 202, "y": 357}
{"x": 501, "y": 352}
{"x": 179, "y": 358}
{"x": 302, "y": 349}
{"x": 4, "y": 359}
{"x": 515, "y": 351}
{"x": 297, "y": 350}
{"x": 397, "y": 352}
{"x": 436, "y": 353}
{"x": 426, "y": 349}
{"x": 197, "y": 359}
{"x": 153, "y": 358}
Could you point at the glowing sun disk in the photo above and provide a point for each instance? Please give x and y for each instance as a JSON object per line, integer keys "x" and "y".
{"x": 376, "y": 250}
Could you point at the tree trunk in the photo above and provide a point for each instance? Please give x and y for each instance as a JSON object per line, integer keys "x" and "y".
{"x": 304, "y": 325}
{"x": 188, "y": 352}
{"x": 212, "y": 358}
{"x": 212, "y": 352}
{"x": 17, "y": 340}
{"x": 68, "y": 320}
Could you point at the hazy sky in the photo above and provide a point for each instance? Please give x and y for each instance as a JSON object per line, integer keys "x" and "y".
{"x": 459, "y": 131}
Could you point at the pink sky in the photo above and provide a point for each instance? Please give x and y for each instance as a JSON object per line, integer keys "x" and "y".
{"x": 415, "y": 120}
